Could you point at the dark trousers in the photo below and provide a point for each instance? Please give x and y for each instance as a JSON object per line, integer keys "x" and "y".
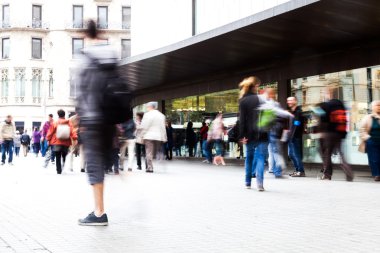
{"x": 168, "y": 151}
{"x": 7, "y": 148}
{"x": 373, "y": 152}
{"x": 330, "y": 143}
{"x": 60, "y": 155}
{"x": 140, "y": 151}
{"x": 17, "y": 151}
{"x": 36, "y": 148}
{"x": 191, "y": 150}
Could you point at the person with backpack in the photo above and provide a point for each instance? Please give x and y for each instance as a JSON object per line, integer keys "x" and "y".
{"x": 46, "y": 148}
{"x": 60, "y": 136}
{"x": 25, "y": 142}
{"x": 103, "y": 100}
{"x": 17, "y": 142}
{"x": 127, "y": 140}
{"x": 295, "y": 137}
{"x": 333, "y": 130}
{"x": 256, "y": 141}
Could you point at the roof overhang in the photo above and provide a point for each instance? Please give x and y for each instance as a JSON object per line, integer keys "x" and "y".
{"x": 296, "y": 28}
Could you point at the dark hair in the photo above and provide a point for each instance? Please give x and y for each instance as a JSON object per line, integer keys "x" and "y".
{"x": 140, "y": 114}
{"x": 35, "y": 129}
{"x": 91, "y": 30}
{"x": 51, "y": 115}
{"x": 189, "y": 125}
{"x": 61, "y": 113}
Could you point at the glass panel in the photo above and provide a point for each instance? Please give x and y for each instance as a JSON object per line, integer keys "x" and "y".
{"x": 4, "y": 83}
{"x": 36, "y": 16}
{"x": 6, "y": 16}
{"x": 36, "y": 83}
{"x": 125, "y": 48}
{"x": 36, "y": 48}
{"x": 77, "y": 16}
{"x": 126, "y": 17}
{"x": 102, "y": 17}
{"x": 77, "y": 47}
{"x": 5, "y": 48}
{"x": 375, "y": 73}
{"x": 20, "y": 82}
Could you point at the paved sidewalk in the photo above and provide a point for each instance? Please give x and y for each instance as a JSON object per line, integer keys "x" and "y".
{"x": 186, "y": 207}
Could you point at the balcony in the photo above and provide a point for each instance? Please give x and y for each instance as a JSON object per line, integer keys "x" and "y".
{"x": 110, "y": 26}
{"x": 25, "y": 25}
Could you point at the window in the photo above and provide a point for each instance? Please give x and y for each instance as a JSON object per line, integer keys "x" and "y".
{"x": 77, "y": 47}
{"x": 37, "y": 16}
{"x": 102, "y": 17}
{"x": 36, "y": 83}
{"x": 36, "y": 48}
{"x": 4, "y": 83}
{"x": 77, "y": 16}
{"x": 125, "y": 48}
{"x": 126, "y": 17}
{"x": 5, "y": 20}
{"x": 5, "y": 45}
{"x": 20, "y": 82}
{"x": 51, "y": 83}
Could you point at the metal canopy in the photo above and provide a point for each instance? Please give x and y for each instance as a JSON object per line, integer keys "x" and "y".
{"x": 299, "y": 27}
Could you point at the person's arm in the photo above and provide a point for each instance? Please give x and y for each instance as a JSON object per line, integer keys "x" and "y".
{"x": 145, "y": 124}
{"x": 51, "y": 132}
{"x": 364, "y": 128}
{"x": 242, "y": 120}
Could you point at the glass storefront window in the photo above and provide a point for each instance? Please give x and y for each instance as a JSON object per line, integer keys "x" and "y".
{"x": 355, "y": 88}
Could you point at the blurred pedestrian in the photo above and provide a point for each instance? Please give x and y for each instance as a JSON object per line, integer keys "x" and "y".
{"x": 47, "y": 149}
{"x": 17, "y": 142}
{"x": 216, "y": 134}
{"x": 333, "y": 130}
{"x": 153, "y": 132}
{"x": 169, "y": 143}
{"x": 178, "y": 142}
{"x": 370, "y": 135}
{"x": 7, "y": 132}
{"x": 295, "y": 137}
{"x": 191, "y": 138}
{"x": 256, "y": 142}
{"x": 25, "y": 142}
{"x": 203, "y": 136}
{"x": 36, "y": 141}
{"x": 140, "y": 147}
{"x": 127, "y": 140}
{"x": 74, "y": 147}
{"x": 60, "y": 136}
{"x": 114, "y": 153}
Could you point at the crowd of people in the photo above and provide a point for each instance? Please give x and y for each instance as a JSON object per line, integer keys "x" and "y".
{"x": 103, "y": 140}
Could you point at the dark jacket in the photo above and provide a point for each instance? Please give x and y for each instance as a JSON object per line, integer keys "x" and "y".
{"x": 191, "y": 137}
{"x": 248, "y": 110}
{"x": 334, "y": 120}
{"x": 128, "y": 130}
{"x": 297, "y": 127}
{"x": 169, "y": 134}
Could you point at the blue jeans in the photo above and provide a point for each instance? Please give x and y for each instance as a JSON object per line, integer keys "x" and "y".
{"x": 255, "y": 160}
{"x": 277, "y": 158}
{"x": 373, "y": 151}
{"x": 207, "y": 146}
{"x": 44, "y": 147}
{"x": 7, "y": 147}
{"x": 295, "y": 153}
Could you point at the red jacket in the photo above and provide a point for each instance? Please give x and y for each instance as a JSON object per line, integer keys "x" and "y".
{"x": 52, "y": 138}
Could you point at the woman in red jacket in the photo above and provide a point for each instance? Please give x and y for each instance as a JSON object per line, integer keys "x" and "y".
{"x": 60, "y": 136}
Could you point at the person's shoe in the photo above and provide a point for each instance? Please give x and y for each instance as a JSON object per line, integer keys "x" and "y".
{"x": 11, "y": 164}
{"x": 93, "y": 220}
{"x": 129, "y": 169}
{"x": 122, "y": 169}
{"x": 2, "y": 163}
{"x": 205, "y": 161}
{"x": 260, "y": 188}
{"x": 149, "y": 171}
{"x": 270, "y": 171}
{"x": 248, "y": 186}
{"x": 280, "y": 177}
{"x": 139, "y": 167}
{"x": 293, "y": 173}
{"x": 377, "y": 178}
{"x": 326, "y": 177}
{"x": 59, "y": 172}
{"x": 53, "y": 162}
{"x": 82, "y": 170}
{"x": 349, "y": 178}
{"x": 299, "y": 174}
{"x": 117, "y": 173}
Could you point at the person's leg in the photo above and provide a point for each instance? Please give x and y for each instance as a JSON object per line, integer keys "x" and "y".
{"x": 138, "y": 155}
{"x": 98, "y": 190}
{"x": 123, "y": 149}
{"x": 291, "y": 153}
{"x": 131, "y": 152}
{"x": 327, "y": 150}
{"x": 278, "y": 163}
{"x": 3, "y": 152}
{"x": 58, "y": 165}
{"x": 373, "y": 157}
{"x": 299, "y": 154}
{"x": 65, "y": 151}
{"x": 260, "y": 154}
{"x": 10, "y": 152}
{"x": 170, "y": 152}
{"x": 38, "y": 148}
{"x": 149, "y": 147}
{"x": 271, "y": 162}
{"x": 52, "y": 156}
{"x": 248, "y": 163}
{"x": 344, "y": 165}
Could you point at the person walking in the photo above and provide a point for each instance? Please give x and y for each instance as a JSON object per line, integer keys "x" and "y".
{"x": 47, "y": 149}
{"x": 256, "y": 142}
{"x": 153, "y": 132}
{"x": 191, "y": 138}
{"x": 127, "y": 140}
{"x": 25, "y": 142}
{"x": 203, "y": 136}
{"x": 370, "y": 135}
{"x": 140, "y": 147}
{"x": 178, "y": 142}
{"x": 7, "y": 133}
{"x": 36, "y": 141}
{"x": 295, "y": 138}
{"x": 216, "y": 135}
{"x": 59, "y": 136}
{"x": 74, "y": 147}
{"x": 17, "y": 143}
{"x": 169, "y": 143}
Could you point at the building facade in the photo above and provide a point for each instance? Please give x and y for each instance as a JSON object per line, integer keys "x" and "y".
{"x": 40, "y": 42}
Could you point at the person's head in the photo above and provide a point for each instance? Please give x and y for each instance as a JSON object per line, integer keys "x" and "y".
{"x": 151, "y": 106}
{"x": 50, "y": 117}
{"x": 139, "y": 116}
{"x": 375, "y": 106}
{"x": 8, "y": 118}
{"x": 61, "y": 113}
{"x": 292, "y": 102}
{"x": 168, "y": 123}
{"x": 189, "y": 125}
{"x": 17, "y": 132}
{"x": 203, "y": 123}
{"x": 270, "y": 93}
{"x": 249, "y": 85}
{"x": 91, "y": 31}
{"x": 35, "y": 129}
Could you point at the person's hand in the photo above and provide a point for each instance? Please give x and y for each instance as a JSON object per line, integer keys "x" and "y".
{"x": 244, "y": 140}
